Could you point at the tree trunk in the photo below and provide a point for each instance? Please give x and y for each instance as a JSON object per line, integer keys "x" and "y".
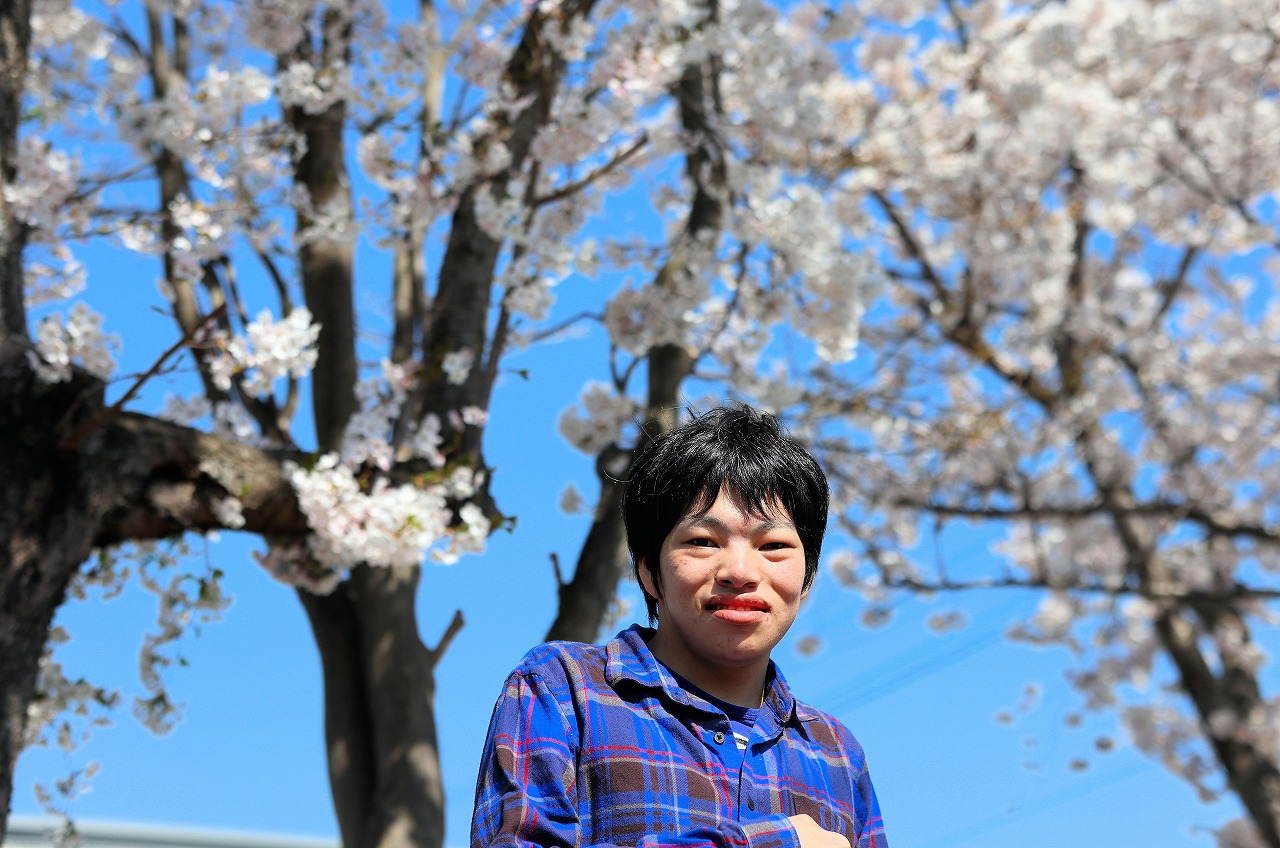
{"x": 75, "y": 476}
{"x": 1234, "y": 695}
{"x": 15, "y": 41}
{"x": 602, "y": 563}
{"x": 380, "y": 726}
{"x": 47, "y": 526}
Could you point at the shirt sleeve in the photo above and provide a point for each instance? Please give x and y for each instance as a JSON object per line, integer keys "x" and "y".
{"x": 872, "y": 834}
{"x": 526, "y": 790}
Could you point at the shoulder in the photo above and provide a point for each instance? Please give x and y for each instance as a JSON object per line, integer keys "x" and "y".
{"x": 550, "y": 656}
{"x": 562, "y": 667}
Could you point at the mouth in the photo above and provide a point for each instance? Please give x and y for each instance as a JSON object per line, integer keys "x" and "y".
{"x": 737, "y": 603}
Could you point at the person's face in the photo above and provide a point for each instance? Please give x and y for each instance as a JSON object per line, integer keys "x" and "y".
{"x": 731, "y": 587}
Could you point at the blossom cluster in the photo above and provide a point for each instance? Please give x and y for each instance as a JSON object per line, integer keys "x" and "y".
{"x": 268, "y": 351}
{"x": 607, "y": 414}
{"x": 77, "y": 340}
{"x": 387, "y": 525}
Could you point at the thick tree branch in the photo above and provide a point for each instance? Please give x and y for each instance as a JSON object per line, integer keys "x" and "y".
{"x": 173, "y": 478}
{"x": 1066, "y": 345}
{"x": 326, "y": 263}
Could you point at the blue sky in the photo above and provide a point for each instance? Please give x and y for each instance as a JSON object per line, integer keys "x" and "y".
{"x": 248, "y": 755}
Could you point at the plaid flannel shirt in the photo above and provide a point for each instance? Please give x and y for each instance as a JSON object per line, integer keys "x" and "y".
{"x": 599, "y": 746}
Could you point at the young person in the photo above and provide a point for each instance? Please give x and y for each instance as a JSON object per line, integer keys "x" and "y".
{"x": 687, "y": 735}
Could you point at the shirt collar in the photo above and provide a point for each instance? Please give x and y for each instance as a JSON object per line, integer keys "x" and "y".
{"x": 629, "y": 659}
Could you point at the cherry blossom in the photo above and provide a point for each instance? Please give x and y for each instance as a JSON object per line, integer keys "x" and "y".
{"x": 77, "y": 340}
{"x": 268, "y": 351}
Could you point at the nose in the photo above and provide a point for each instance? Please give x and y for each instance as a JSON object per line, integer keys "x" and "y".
{"x": 739, "y": 568}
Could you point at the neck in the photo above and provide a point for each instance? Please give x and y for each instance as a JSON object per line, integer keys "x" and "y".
{"x": 741, "y": 685}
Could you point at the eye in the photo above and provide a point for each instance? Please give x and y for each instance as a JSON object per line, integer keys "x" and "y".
{"x": 702, "y": 542}
{"x": 776, "y": 546}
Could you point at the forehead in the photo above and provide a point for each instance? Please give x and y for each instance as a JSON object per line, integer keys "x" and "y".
{"x": 771, "y": 510}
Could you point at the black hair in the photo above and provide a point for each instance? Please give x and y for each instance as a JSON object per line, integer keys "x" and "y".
{"x": 736, "y": 449}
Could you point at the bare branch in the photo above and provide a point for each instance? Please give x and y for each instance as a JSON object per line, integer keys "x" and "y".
{"x": 1232, "y": 595}
{"x": 116, "y": 408}
{"x": 555, "y": 330}
{"x": 455, "y": 625}
{"x": 570, "y": 189}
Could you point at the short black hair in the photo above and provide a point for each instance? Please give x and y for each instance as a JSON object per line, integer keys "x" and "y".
{"x": 736, "y": 449}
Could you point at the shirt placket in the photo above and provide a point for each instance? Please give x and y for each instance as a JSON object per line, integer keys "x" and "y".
{"x": 717, "y": 735}
{"x": 753, "y": 784}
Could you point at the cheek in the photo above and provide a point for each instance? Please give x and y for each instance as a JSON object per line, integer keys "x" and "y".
{"x": 681, "y": 574}
{"x": 791, "y": 584}
{"x": 686, "y": 579}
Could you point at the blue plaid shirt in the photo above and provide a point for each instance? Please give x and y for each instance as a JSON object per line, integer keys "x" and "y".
{"x": 599, "y": 746}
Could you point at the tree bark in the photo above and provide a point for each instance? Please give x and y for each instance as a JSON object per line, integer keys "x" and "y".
{"x": 47, "y": 519}
{"x": 380, "y": 726}
{"x": 1231, "y": 694}
{"x": 327, "y": 267}
{"x": 583, "y": 601}
{"x": 15, "y": 42}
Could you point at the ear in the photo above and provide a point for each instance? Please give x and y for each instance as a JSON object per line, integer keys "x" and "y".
{"x": 647, "y": 582}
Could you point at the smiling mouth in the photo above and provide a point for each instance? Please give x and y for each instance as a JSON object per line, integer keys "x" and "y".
{"x": 738, "y": 604}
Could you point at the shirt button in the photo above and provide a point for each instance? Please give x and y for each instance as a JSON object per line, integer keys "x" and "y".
{"x": 751, "y": 805}
{"x": 719, "y": 737}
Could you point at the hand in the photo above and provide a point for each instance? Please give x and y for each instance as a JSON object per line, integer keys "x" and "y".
{"x": 813, "y": 836}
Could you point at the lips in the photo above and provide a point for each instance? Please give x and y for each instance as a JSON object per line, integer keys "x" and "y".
{"x": 743, "y": 603}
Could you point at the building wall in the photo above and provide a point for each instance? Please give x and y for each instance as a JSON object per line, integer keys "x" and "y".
{"x": 28, "y": 832}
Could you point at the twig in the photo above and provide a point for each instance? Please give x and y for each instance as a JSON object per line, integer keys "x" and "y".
{"x": 116, "y": 408}
{"x": 451, "y": 631}
{"x": 605, "y": 169}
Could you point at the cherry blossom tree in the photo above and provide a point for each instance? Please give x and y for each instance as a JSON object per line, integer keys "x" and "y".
{"x": 1070, "y": 338}
{"x": 245, "y": 155}
{"x": 1076, "y": 205}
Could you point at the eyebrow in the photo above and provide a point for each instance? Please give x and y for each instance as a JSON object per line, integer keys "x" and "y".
{"x": 762, "y": 526}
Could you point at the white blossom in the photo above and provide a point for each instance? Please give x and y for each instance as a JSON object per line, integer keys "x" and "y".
{"x": 299, "y": 84}
{"x": 457, "y": 365}
{"x": 78, "y": 341}
{"x": 390, "y": 525}
{"x": 268, "y": 351}
{"x": 571, "y": 501}
{"x": 607, "y": 413}
{"x": 229, "y": 512}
